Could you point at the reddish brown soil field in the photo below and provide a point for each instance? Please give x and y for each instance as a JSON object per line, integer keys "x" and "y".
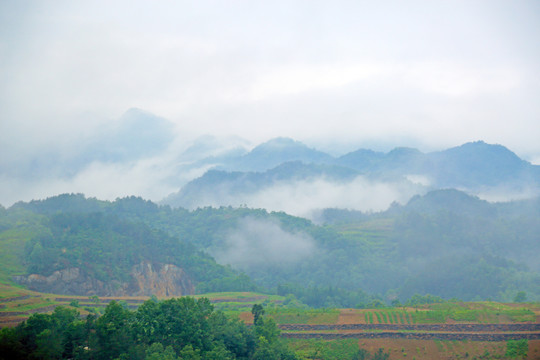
{"x": 433, "y": 349}
{"x": 351, "y": 316}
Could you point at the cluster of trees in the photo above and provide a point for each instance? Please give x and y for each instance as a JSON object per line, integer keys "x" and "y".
{"x": 328, "y": 296}
{"x": 179, "y": 328}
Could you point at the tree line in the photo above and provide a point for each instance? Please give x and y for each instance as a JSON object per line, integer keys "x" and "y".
{"x": 178, "y": 328}
{"x": 175, "y": 329}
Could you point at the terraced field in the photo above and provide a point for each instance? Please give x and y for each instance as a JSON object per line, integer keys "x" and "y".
{"x": 17, "y": 304}
{"x": 442, "y": 331}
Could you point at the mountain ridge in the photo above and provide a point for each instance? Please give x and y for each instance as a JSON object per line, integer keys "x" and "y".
{"x": 475, "y": 167}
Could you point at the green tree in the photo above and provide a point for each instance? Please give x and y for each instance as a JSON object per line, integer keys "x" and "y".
{"x": 11, "y": 346}
{"x": 175, "y": 322}
{"x": 521, "y": 296}
{"x": 258, "y": 311}
{"x": 113, "y": 331}
{"x": 189, "y": 353}
{"x": 218, "y": 352}
{"x": 268, "y": 329}
{"x": 233, "y": 333}
{"x": 157, "y": 352}
{"x": 265, "y": 351}
{"x": 49, "y": 344}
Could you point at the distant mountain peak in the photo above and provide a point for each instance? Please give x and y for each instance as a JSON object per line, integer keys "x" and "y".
{"x": 279, "y": 150}
{"x": 480, "y": 144}
{"x": 280, "y": 143}
{"x": 405, "y": 150}
{"x": 482, "y": 151}
{"x": 141, "y": 120}
{"x": 453, "y": 200}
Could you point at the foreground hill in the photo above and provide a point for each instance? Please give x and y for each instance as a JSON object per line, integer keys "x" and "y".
{"x": 445, "y": 243}
{"x": 89, "y": 251}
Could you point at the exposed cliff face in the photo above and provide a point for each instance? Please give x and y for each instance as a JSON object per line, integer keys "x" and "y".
{"x": 160, "y": 280}
{"x": 146, "y": 279}
{"x": 67, "y": 281}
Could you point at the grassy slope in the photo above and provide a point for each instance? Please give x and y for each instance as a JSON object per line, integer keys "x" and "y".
{"x": 19, "y": 226}
{"x": 12, "y": 243}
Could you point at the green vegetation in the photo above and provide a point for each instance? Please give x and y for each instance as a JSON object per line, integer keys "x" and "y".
{"x": 343, "y": 349}
{"x": 108, "y": 247}
{"x": 178, "y": 328}
{"x": 171, "y": 329}
{"x": 103, "y": 244}
{"x": 483, "y": 312}
{"x": 429, "y": 317}
{"x": 517, "y": 348}
{"x": 321, "y": 349}
{"x": 402, "y": 252}
{"x": 304, "y": 316}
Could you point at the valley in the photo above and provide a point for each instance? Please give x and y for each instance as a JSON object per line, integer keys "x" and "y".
{"x": 444, "y": 330}
{"x": 444, "y": 274}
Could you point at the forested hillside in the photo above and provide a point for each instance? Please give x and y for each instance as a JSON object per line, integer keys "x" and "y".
{"x": 445, "y": 243}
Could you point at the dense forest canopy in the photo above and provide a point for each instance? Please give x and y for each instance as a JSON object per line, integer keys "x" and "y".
{"x": 445, "y": 243}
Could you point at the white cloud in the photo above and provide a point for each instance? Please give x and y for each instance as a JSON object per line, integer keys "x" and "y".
{"x": 419, "y": 179}
{"x": 505, "y": 194}
{"x": 301, "y": 78}
{"x": 422, "y": 74}
{"x": 454, "y": 79}
{"x": 107, "y": 181}
{"x": 259, "y": 243}
{"x": 303, "y": 198}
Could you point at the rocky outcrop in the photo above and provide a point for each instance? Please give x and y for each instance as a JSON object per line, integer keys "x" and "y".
{"x": 146, "y": 279}
{"x": 67, "y": 281}
{"x": 159, "y": 280}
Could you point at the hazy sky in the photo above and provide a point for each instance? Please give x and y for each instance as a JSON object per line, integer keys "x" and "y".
{"x": 428, "y": 73}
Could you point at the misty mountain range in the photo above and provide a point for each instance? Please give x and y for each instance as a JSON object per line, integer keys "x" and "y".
{"x": 287, "y": 165}
{"x": 389, "y": 221}
{"x": 140, "y": 154}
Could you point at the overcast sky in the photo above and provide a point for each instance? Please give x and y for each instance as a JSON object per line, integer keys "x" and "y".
{"x": 433, "y": 74}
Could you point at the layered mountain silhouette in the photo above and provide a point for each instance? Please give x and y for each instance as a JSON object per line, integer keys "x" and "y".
{"x": 474, "y": 167}
{"x": 226, "y": 170}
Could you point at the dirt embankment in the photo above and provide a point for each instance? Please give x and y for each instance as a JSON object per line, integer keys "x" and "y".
{"x": 472, "y": 332}
{"x": 416, "y": 336}
{"x": 523, "y": 327}
{"x": 44, "y": 309}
